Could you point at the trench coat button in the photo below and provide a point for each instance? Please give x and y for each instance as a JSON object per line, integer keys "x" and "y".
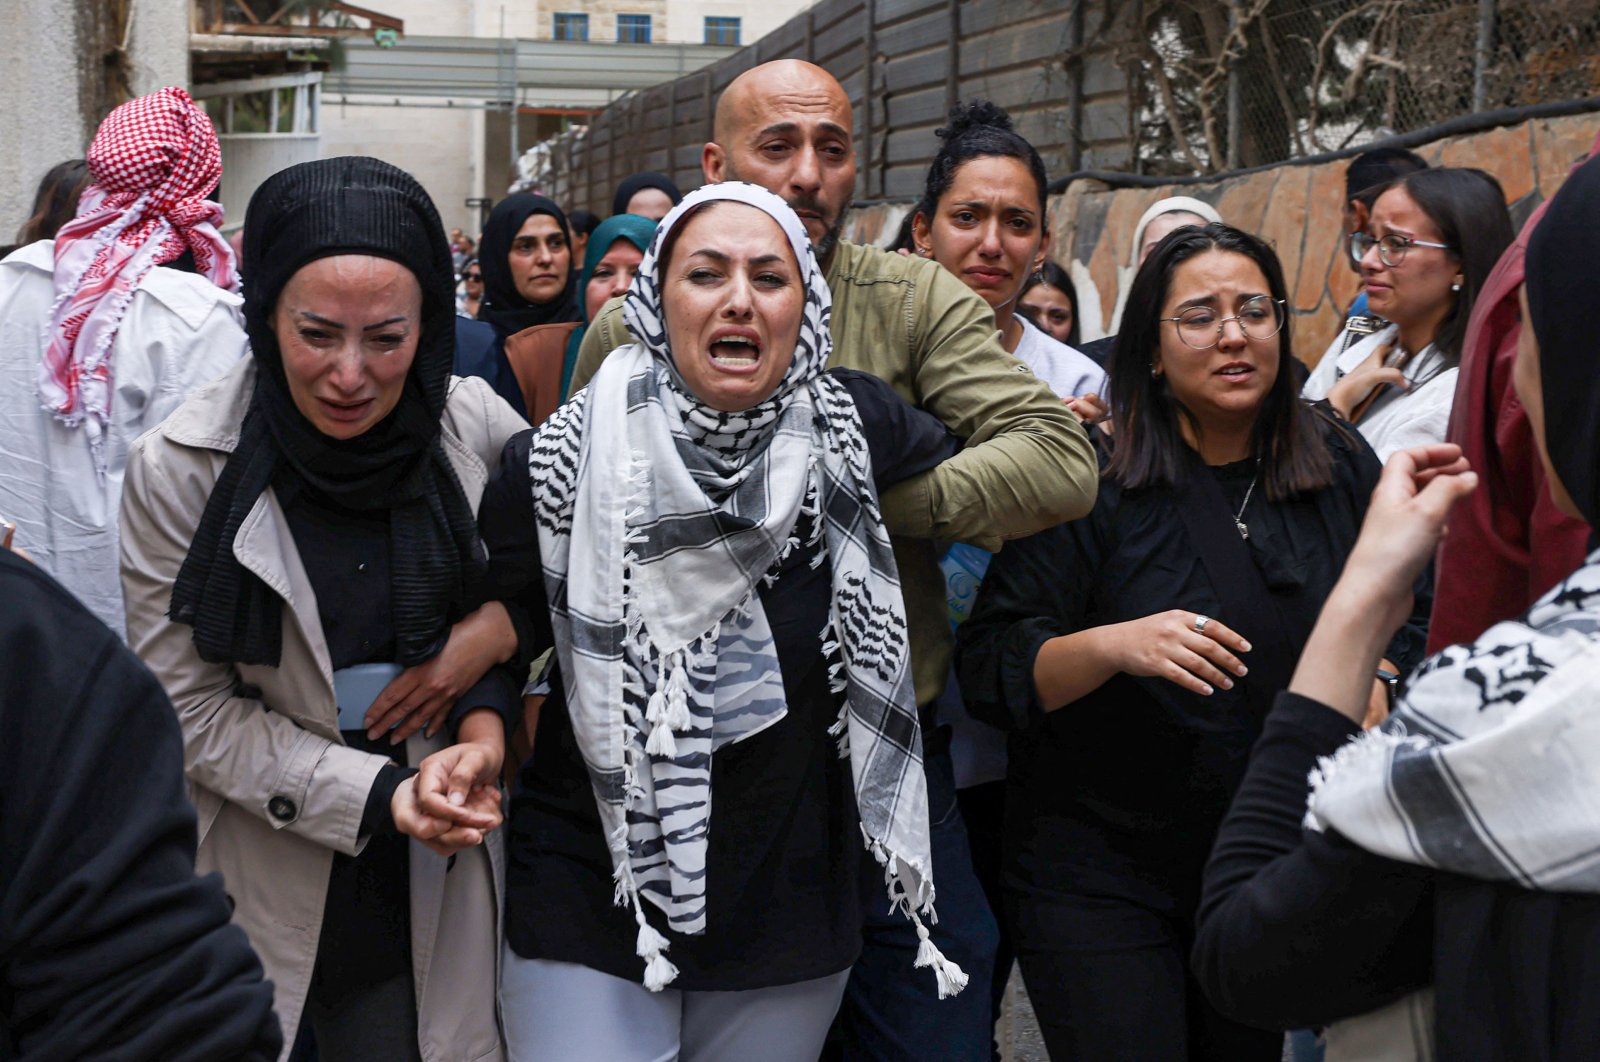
{"x": 282, "y": 808}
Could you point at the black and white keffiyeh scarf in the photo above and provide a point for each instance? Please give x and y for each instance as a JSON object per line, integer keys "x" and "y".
{"x": 1487, "y": 768}
{"x": 679, "y": 512}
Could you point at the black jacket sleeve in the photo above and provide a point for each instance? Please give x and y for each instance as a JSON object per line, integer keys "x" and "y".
{"x": 904, "y": 441}
{"x": 1298, "y": 928}
{"x": 1036, "y": 589}
{"x": 516, "y": 579}
{"x": 110, "y": 947}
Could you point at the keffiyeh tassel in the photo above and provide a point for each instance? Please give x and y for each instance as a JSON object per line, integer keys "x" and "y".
{"x": 952, "y": 978}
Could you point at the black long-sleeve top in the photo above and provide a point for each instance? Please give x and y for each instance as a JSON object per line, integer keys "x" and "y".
{"x": 1299, "y": 928}
{"x": 1120, "y": 793}
{"x": 366, "y": 930}
{"x": 346, "y": 556}
{"x": 782, "y": 896}
{"x": 110, "y": 946}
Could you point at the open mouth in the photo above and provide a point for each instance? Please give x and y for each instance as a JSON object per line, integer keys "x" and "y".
{"x": 345, "y": 411}
{"x": 1235, "y": 370}
{"x": 735, "y": 352}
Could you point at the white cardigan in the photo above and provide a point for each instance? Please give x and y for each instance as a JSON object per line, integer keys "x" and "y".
{"x": 1396, "y": 419}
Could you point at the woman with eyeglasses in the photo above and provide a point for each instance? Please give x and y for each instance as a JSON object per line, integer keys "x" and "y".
{"x": 1133, "y": 654}
{"x": 1433, "y": 238}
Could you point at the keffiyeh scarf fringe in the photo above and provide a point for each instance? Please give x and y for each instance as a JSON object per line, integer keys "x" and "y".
{"x": 1486, "y": 769}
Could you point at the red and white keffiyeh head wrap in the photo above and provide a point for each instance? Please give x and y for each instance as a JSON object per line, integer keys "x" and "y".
{"x": 152, "y": 160}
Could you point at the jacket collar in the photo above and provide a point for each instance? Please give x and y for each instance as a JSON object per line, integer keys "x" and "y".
{"x": 213, "y": 415}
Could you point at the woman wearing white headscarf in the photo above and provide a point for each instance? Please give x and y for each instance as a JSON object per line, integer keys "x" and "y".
{"x": 1160, "y": 220}
{"x": 728, "y": 623}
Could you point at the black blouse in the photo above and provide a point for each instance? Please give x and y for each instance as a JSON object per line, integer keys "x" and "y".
{"x": 1120, "y": 793}
{"x": 782, "y": 897}
{"x": 1299, "y": 928}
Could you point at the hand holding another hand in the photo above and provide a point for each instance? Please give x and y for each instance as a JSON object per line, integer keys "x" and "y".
{"x": 454, "y": 799}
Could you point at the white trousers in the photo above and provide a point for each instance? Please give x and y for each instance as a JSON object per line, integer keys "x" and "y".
{"x": 565, "y": 1012}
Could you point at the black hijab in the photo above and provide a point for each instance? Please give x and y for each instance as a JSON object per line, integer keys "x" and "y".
{"x": 631, "y": 186}
{"x": 1562, "y": 261}
{"x": 311, "y": 211}
{"x": 502, "y": 306}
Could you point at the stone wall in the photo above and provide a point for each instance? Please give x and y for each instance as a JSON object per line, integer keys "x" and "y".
{"x": 1295, "y": 207}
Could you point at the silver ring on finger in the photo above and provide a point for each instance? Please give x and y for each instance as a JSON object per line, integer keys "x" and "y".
{"x": 1200, "y": 622}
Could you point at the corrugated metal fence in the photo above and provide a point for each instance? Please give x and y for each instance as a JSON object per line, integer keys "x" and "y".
{"x": 1161, "y": 87}
{"x": 903, "y": 63}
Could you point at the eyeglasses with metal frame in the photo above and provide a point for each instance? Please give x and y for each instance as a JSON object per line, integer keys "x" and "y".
{"x": 1259, "y": 318}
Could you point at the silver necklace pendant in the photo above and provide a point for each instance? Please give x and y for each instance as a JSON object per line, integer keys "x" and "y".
{"x": 1244, "y": 530}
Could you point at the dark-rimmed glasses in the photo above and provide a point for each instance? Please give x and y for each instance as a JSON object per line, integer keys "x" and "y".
{"x": 1391, "y": 248}
{"x": 1200, "y": 327}
{"x": 472, "y": 278}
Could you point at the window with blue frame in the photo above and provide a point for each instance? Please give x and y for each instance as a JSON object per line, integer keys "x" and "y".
{"x": 633, "y": 29}
{"x": 571, "y": 26}
{"x": 721, "y": 30}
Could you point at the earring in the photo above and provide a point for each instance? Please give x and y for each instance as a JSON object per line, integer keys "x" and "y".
{"x": 1155, "y": 372}
{"x": 1455, "y": 287}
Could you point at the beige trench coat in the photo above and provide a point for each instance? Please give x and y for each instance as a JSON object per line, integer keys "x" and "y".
{"x": 277, "y": 790}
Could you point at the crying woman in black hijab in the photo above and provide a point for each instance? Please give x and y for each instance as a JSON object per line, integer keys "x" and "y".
{"x": 312, "y": 599}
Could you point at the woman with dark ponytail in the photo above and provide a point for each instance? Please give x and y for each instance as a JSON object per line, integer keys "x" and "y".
{"x": 983, "y": 216}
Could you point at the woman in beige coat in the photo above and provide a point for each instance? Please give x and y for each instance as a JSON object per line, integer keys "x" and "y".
{"x": 298, "y": 537}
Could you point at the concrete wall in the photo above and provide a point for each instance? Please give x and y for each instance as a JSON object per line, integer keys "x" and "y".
{"x": 42, "y": 124}
{"x": 1296, "y": 208}
{"x": 57, "y": 89}
{"x": 440, "y": 147}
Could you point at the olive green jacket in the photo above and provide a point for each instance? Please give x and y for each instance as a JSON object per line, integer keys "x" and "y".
{"x": 1027, "y": 463}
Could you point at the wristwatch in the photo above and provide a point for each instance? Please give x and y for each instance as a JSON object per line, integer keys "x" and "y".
{"x": 1391, "y": 683}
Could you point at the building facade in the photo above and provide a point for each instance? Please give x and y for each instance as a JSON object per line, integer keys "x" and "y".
{"x": 439, "y": 101}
